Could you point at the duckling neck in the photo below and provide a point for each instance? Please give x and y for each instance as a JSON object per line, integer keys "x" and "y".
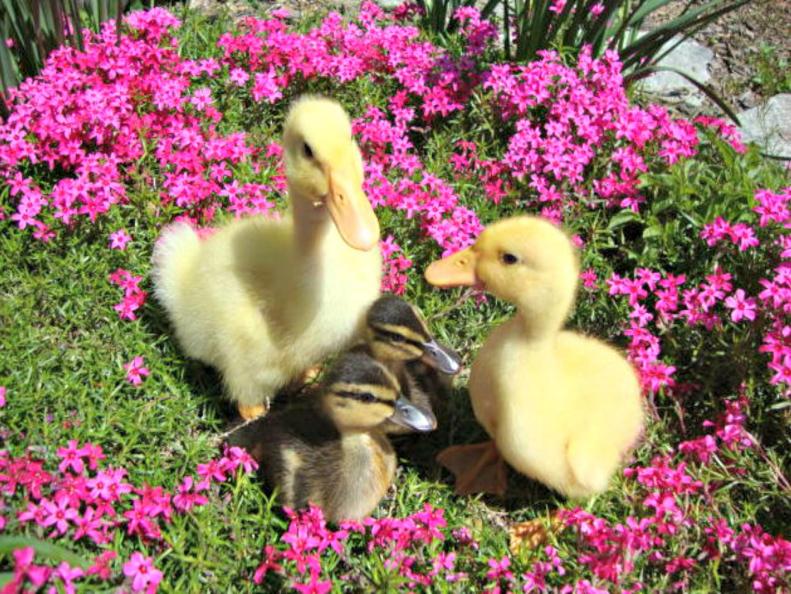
{"x": 539, "y": 328}
{"x": 312, "y": 224}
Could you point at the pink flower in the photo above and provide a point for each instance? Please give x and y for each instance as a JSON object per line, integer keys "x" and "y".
{"x": 101, "y": 565}
{"x": 2, "y": 396}
{"x": 143, "y": 573}
{"x": 743, "y": 307}
{"x": 58, "y": 514}
{"x": 72, "y": 457}
{"x": 265, "y": 86}
{"x": 499, "y": 569}
{"x": 589, "y": 279}
{"x": 271, "y": 556}
{"x": 314, "y": 586}
{"x": 186, "y": 498}
{"x": 119, "y": 239}
{"x": 238, "y": 76}
{"x": 201, "y": 98}
{"x": 67, "y": 574}
{"x": 135, "y": 371}
{"x": 557, "y": 6}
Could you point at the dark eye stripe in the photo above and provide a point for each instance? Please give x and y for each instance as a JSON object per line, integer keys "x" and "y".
{"x": 365, "y": 397}
{"x": 397, "y": 338}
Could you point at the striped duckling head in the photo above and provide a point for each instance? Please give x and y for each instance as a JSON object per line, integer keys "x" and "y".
{"x": 360, "y": 394}
{"x": 396, "y": 331}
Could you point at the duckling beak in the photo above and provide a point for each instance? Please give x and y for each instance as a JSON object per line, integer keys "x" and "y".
{"x": 352, "y": 213}
{"x": 413, "y": 417}
{"x": 454, "y": 271}
{"x": 441, "y": 358}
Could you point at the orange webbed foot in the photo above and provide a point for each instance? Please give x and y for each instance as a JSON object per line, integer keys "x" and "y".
{"x": 478, "y": 468}
{"x": 248, "y": 413}
{"x": 532, "y": 534}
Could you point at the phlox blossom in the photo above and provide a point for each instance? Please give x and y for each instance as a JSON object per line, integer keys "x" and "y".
{"x": 144, "y": 576}
{"x": 135, "y": 371}
{"x": 743, "y": 307}
{"x": 119, "y": 239}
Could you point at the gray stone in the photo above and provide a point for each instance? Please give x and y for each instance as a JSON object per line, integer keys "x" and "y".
{"x": 236, "y": 9}
{"x": 769, "y": 125}
{"x": 690, "y": 57}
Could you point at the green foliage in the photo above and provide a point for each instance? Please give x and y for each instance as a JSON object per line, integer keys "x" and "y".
{"x": 531, "y": 26}
{"x": 37, "y": 27}
{"x": 43, "y": 548}
{"x": 438, "y": 14}
{"x": 772, "y": 72}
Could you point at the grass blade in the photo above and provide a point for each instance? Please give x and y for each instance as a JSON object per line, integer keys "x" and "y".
{"x": 704, "y": 88}
{"x": 43, "y": 548}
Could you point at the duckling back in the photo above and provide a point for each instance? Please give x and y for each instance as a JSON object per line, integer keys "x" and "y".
{"x": 303, "y": 456}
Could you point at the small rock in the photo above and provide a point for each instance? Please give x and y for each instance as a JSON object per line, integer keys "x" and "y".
{"x": 690, "y": 57}
{"x": 389, "y": 4}
{"x": 769, "y": 125}
{"x": 237, "y": 9}
{"x": 747, "y": 99}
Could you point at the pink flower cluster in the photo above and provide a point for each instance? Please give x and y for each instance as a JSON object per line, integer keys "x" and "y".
{"x": 308, "y": 541}
{"x": 671, "y": 497}
{"x": 395, "y": 266}
{"x": 698, "y": 305}
{"x": 114, "y": 112}
{"x": 87, "y": 503}
{"x": 94, "y": 115}
{"x": 134, "y": 296}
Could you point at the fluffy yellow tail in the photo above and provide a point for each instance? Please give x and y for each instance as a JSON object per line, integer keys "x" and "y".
{"x": 174, "y": 255}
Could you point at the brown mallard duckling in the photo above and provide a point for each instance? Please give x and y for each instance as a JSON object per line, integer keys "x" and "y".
{"x": 328, "y": 447}
{"x": 397, "y": 336}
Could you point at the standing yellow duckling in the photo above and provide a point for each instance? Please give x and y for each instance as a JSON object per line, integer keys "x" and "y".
{"x": 561, "y": 407}
{"x": 264, "y": 300}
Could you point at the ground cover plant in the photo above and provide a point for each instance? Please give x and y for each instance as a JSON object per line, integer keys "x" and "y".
{"x": 111, "y": 474}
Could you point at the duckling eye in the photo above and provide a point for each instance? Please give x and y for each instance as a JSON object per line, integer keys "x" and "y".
{"x": 508, "y": 258}
{"x": 393, "y": 337}
{"x": 366, "y": 397}
{"x": 307, "y": 150}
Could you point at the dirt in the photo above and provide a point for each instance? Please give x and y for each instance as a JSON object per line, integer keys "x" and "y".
{"x": 740, "y": 73}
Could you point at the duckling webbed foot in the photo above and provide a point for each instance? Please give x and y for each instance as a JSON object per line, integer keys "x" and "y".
{"x": 299, "y": 385}
{"x": 533, "y": 534}
{"x": 478, "y": 468}
{"x": 249, "y": 413}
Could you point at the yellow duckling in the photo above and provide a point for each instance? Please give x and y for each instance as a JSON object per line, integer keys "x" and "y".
{"x": 264, "y": 300}
{"x": 397, "y": 336}
{"x": 561, "y": 407}
{"x": 328, "y": 447}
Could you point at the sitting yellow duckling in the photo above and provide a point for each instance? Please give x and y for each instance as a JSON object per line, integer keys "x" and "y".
{"x": 396, "y": 335}
{"x": 264, "y": 300}
{"x": 561, "y": 407}
{"x": 328, "y": 447}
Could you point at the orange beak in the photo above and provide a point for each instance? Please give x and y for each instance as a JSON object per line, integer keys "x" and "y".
{"x": 456, "y": 270}
{"x": 352, "y": 213}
